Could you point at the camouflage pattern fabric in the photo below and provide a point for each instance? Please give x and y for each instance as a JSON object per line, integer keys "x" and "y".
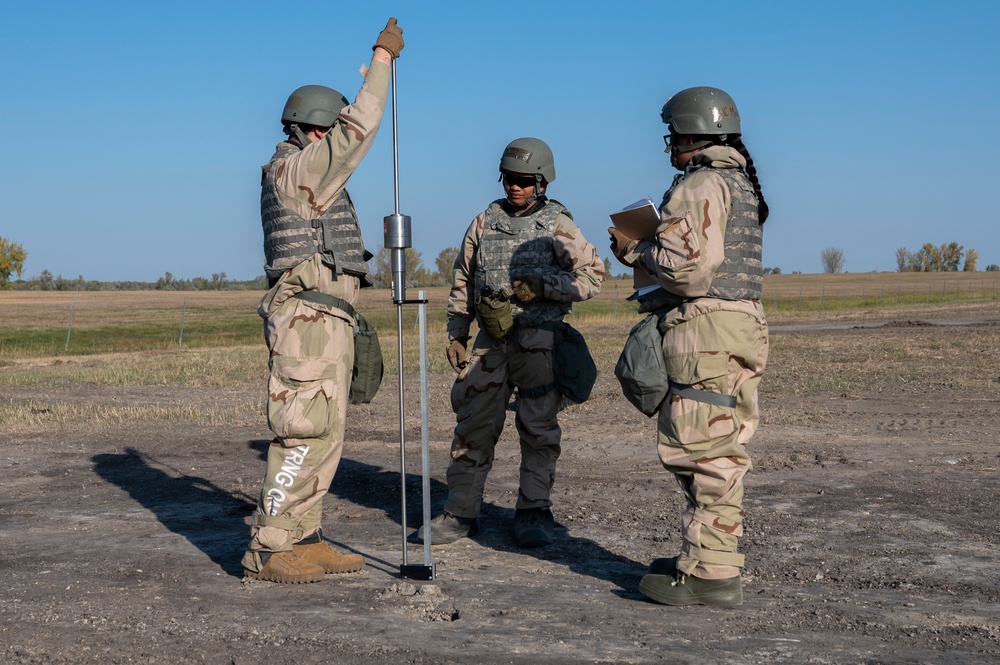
{"x": 479, "y": 398}
{"x": 311, "y": 345}
{"x": 578, "y": 277}
{"x": 712, "y": 344}
{"x": 482, "y": 390}
{"x": 521, "y": 245}
{"x": 311, "y": 355}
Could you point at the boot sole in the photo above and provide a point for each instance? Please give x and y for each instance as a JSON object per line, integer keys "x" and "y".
{"x": 533, "y": 538}
{"x": 652, "y": 590}
{"x": 284, "y": 579}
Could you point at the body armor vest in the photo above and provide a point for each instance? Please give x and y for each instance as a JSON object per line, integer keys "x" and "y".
{"x": 513, "y": 246}
{"x": 289, "y": 239}
{"x": 740, "y": 276}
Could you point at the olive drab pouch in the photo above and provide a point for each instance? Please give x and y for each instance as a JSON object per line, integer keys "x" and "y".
{"x": 572, "y": 364}
{"x": 641, "y": 369}
{"x": 366, "y": 375}
{"x": 493, "y": 307}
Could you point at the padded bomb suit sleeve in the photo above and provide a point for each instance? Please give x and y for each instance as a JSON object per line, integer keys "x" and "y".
{"x": 583, "y": 268}
{"x": 689, "y": 244}
{"x": 309, "y": 180}
{"x": 461, "y": 309}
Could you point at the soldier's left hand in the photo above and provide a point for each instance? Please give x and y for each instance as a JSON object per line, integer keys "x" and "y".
{"x": 391, "y": 38}
{"x": 622, "y": 245}
{"x": 528, "y": 288}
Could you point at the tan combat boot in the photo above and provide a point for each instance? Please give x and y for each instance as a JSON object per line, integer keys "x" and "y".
{"x": 286, "y": 568}
{"x": 314, "y": 550}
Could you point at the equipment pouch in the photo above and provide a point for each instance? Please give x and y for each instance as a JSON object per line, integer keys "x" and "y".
{"x": 641, "y": 369}
{"x": 495, "y": 318}
{"x": 572, "y": 364}
{"x": 368, "y": 369}
{"x": 366, "y": 375}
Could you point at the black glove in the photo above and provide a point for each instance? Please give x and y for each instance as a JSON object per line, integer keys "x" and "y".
{"x": 391, "y": 38}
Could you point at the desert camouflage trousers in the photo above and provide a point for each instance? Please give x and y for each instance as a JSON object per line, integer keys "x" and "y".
{"x": 704, "y": 444}
{"x": 311, "y": 354}
{"x": 479, "y": 398}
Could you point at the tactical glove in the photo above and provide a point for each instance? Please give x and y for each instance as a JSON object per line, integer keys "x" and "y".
{"x": 528, "y": 288}
{"x": 391, "y": 38}
{"x": 622, "y": 245}
{"x": 458, "y": 356}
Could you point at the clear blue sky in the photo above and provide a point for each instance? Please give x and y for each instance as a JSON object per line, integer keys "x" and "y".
{"x": 133, "y": 133}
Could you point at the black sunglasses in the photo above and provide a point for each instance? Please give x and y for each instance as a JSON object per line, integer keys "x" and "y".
{"x": 522, "y": 181}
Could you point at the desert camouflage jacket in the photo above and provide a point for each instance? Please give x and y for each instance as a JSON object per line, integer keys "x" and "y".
{"x": 310, "y": 180}
{"x": 578, "y": 277}
{"x": 690, "y": 244}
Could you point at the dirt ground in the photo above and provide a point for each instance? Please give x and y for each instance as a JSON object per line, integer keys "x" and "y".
{"x": 871, "y": 535}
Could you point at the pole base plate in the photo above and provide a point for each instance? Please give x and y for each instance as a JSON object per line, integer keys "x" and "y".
{"x": 418, "y": 571}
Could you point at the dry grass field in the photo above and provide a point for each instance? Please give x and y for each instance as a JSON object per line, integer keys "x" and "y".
{"x": 132, "y": 460}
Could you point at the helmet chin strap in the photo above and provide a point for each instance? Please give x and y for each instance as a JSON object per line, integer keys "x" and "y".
{"x": 697, "y": 145}
{"x": 294, "y": 130}
{"x": 535, "y": 193}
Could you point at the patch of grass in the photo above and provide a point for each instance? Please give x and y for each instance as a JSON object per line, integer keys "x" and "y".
{"x": 36, "y": 414}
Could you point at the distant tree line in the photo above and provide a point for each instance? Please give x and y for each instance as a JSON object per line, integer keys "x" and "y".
{"x": 930, "y": 258}
{"x": 218, "y": 282}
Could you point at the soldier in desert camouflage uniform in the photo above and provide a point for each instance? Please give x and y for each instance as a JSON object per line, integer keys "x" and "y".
{"x": 528, "y": 246}
{"x": 706, "y": 261}
{"x": 316, "y": 262}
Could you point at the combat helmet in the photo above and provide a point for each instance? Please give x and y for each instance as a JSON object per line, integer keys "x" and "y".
{"x": 529, "y": 156}
{"x": 311, "y": 105}
{"x": 702, "y": 111}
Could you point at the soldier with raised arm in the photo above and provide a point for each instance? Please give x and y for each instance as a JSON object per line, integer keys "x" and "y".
{"x": 316, "y": 262}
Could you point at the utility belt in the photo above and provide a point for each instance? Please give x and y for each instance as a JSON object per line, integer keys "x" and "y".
{"x": 366, "y": 375}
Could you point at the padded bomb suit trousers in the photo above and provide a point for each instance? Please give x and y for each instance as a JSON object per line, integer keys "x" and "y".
{"x": 479, "y": 398}
{"x": 311, "y": 355}
{"x": 704, "y": 444}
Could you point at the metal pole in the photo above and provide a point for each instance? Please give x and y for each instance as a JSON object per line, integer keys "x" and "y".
{"x": 402, "y": 429}
{"x": 180, "y": 340}
{"x": 72, "y": 311}
{"x": 425, "y": 473}
{"x": 398, "y": 240}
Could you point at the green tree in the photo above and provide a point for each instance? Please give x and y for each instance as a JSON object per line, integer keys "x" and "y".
{"x": 904, "y": 260}
{"x": 931, "y": 258}
{"x": 445, "y": 264}
{"x": 12, "y": 256}
{"x": 381, "y": 267}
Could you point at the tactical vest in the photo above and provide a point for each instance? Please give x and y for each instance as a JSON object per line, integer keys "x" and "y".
{"x": 740, "y": 276}
{"x": 289, "y": 239}
{"x": 513, "y": 246}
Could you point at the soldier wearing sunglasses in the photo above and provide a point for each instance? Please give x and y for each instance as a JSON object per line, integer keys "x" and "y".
{"x": 521, "y": 265}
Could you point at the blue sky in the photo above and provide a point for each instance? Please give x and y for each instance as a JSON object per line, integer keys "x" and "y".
{"x": 134, "y": 132}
